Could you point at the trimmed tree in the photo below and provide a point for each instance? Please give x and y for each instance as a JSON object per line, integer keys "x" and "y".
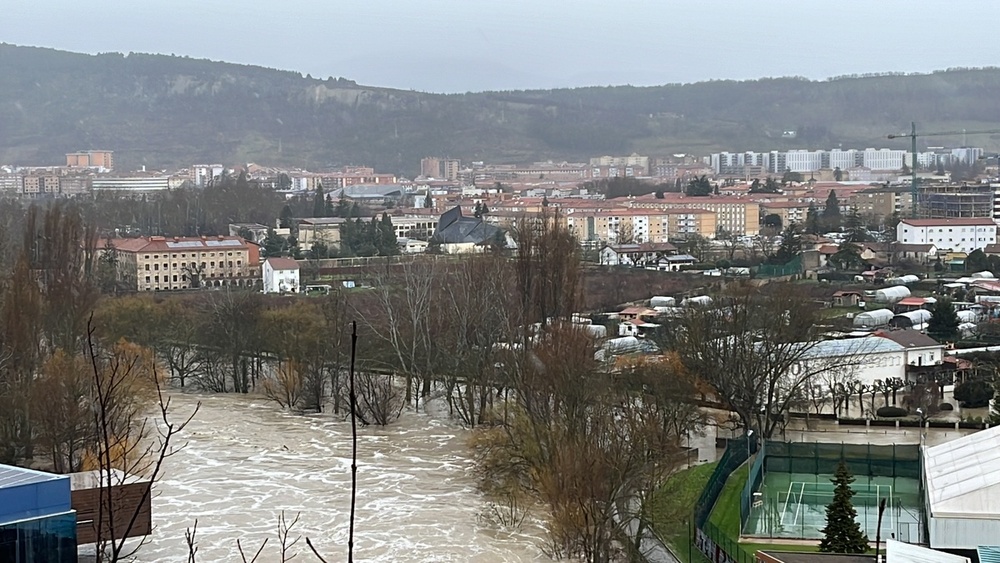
{"x": 842, "y": 533}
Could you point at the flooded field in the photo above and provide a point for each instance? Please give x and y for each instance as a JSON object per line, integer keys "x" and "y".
{"x": 246, "y": 461}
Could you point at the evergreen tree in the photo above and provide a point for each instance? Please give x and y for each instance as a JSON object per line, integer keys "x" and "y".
{"x": 699, "y": 187}
{"x": 790, "y": 247}
{"x": 386, "y": 234}
{"x": 355, "y": 210}
{"x": 478, "y": 211}
{"x": 842, "y": 533}
{"x": 977, "y": 261}
{"x": 273, "y": 244}
{"x": 285, "y": 219}
{"x": 838, "y": 174}
{"x": 831, "y": 213}
{"x": 943, "y": 324}
{"x": 342, "y": 209}
{"x": 330, "y": 211}
{"x": 812, "y": 220}
{"x": 429, "y": 201}
{"x": 319, "y": 201}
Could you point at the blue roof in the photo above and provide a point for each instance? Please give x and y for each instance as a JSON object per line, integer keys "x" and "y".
{"x": 11, "y": 476}
{"x": 851, "y": 347}
{"x": 988, "y": 553}
{"x": 26, "y": 494}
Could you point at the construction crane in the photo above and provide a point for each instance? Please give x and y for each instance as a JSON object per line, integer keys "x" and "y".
{"x": 913, "y": 151}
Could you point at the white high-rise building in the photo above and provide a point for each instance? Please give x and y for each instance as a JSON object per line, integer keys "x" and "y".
{"x": 803, "y": 160}
{"x": 883, "y": 159}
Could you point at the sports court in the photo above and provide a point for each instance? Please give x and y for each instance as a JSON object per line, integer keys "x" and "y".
{"x": 793, "y": 505}
{"x": 786, "y": 500}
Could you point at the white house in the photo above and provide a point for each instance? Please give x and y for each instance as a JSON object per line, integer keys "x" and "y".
{"x": 281, "y": 275}
{"x": 865, "y": 359}
{"x": 920, "y": 349}
{"x": 963, "y": 234}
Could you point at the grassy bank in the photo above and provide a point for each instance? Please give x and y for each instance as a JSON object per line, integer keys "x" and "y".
{"x": 672, "y": 508}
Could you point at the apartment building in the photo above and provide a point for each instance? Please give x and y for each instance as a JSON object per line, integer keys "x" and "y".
{"x": 789, "y": 211}
{"x": 133, "y": 184}
{"x": 91, "y": 159}
{"x": 36, "y": 185}
{"x": 419, "y": 226}
{"x": 735, "y": 215}
{"x": 11, "y": 183}
{"x": 172, "y": 263}
{"x": 882, "y": 202}
{"x": 204, "y": 174}
{"x": 955, "y": 234}
{"x": 625, "y": 225}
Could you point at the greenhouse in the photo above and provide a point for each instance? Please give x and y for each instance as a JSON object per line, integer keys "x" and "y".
{"x": 872, "y": 319}
{"x": 911, "y": 319}
{"x": 892, "y": 294}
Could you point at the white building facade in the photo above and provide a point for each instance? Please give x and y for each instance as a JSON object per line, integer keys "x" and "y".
{"x": 957, "y": 235}
{"x": 281, "y": 275}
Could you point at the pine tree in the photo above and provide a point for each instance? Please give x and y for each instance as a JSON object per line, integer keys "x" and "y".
{"x": 842, "y": 533}
{"x": 319, "y": 201}
{"x": 831, "y": 213}
{"x": 342, "y": 209}
{"x": 943, "y": 324}
{"x": 285, "y": 219}
{"x": 812, "y": 220}
{"x": 428, "y": 200}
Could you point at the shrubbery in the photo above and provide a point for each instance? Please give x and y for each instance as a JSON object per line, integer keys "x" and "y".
{"x": 974, "y": 394}
{"x": 891, "y": 412}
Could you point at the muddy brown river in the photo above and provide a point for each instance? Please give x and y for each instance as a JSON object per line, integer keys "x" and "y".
{"x": 246, "y": 461}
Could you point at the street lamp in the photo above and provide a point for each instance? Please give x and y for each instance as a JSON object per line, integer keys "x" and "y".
{"x": 920, "y": 412}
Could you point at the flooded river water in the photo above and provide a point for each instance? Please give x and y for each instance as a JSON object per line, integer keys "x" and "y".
{"x": 246, "y": 461}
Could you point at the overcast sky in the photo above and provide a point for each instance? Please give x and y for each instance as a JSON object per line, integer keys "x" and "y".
{"x": 470, "y": 45}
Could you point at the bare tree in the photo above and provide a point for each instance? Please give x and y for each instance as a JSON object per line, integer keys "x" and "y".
{"x": 400, "y": 319}
{"x": 756, "y": 350}
{"x": 129, "y": 446}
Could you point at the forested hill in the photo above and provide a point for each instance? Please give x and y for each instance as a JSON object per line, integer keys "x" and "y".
{"x": 165, "y": 111}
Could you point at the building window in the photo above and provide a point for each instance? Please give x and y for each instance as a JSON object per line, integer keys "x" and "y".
{"x": 156, "y": 267}
{"x": 147, "y": 267}
{"x": 147, "y": 279}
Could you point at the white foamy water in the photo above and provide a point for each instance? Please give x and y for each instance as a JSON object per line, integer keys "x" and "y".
{"x": 246, "y": 461}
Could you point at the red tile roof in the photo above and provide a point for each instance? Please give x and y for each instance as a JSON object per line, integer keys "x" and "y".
{"x": 282, "y": 263}
{"x": 949, "y": 222}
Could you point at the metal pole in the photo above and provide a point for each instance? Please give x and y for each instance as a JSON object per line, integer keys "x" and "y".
{"x": 913, "y": 168}
{"x": 354, "y": 443}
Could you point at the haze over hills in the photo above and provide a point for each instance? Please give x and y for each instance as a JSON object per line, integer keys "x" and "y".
{"x": 165, "y": 111}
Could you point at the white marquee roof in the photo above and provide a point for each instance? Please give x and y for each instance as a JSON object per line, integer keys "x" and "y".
{"x": 899, "y": 552}
{"x": 963, "y": 476}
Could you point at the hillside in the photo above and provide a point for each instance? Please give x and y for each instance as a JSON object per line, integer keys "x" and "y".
{"x": 165, "y": 111}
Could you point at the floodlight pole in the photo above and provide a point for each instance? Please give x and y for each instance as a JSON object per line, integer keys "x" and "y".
{"x": 878, "y": 529}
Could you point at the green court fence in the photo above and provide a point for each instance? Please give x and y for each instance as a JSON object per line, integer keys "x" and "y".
{"x": 754, "y": 480}
{"x": 775, "y": 270}
{"x": 862, "y": 459}
{"x": 710, "y": 540}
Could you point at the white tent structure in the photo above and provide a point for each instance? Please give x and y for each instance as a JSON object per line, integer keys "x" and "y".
{"x": 962, "y": 491}
{"x": 892, "y": 294}
{"x": 872, "y": 319}
{"x": 900, "y": 552}
{"x": 700, "y": 301}
{"x": 911, "y": 319}
{"x": 903, "y": 280}
{"x": 662, "y": 301}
